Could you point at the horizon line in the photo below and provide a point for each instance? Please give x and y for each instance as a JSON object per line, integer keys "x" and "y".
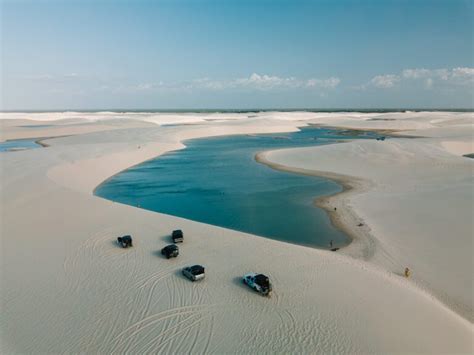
{"x": 254, "y": 109}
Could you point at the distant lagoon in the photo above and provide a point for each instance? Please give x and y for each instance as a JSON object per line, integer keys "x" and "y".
{"x": 217, "y": 181}
{"x": 18, "y": 144}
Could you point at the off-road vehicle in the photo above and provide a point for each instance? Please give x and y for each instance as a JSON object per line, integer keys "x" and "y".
{"x": 177, "y": 236}
{"x": 125, "y": 241}
{"x": 170, "y": 251}
{"x": 258, "y": 282}
{"x": 194, "y": 273}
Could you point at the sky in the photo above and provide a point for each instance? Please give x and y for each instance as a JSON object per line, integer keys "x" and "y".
{"x": 185, "y": 54}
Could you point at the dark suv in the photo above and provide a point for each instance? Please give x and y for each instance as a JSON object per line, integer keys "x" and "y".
{"x": 170, "y": 251}
{"x": 194, "y": 273}
{"x": 177, "y": 236}
{"x": 125, "y": 241}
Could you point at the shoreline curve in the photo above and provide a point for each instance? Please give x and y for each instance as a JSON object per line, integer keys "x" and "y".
{"x": 362, "y": 243}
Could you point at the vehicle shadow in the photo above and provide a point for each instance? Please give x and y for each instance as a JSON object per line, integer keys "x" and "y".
{"x": 167, "y": 238}
{"x": 158, "y": 254}
{"x": 179, "y": 273}
{"x": 238, "y": 281}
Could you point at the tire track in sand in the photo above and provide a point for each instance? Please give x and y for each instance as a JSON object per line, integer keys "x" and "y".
{"x": 137, "y": 327}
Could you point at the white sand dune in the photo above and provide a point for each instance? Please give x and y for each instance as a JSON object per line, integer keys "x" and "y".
{"x": 418, "y": 203}
{"x": 66, "y": 287}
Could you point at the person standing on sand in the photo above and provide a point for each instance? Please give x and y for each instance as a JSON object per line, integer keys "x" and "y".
{"x": 330, "y": 244}
{"x": 407, "y": 272}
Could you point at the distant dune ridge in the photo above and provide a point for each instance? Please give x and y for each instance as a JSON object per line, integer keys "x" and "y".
{"x": 66, "y": 286}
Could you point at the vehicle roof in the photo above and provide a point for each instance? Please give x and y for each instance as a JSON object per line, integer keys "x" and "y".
{"x": 262, "y": 280}
{"x": 196, "y": 269}
{"x": 196, "y": 266}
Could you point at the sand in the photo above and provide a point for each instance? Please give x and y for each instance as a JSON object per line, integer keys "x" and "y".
{"x": 66, "y": 287}
{"x": 414, "y": 199}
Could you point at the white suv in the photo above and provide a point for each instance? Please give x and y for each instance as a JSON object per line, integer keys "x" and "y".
{"x": 258, "y": 282}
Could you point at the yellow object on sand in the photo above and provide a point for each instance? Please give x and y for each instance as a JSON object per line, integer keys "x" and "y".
{"x": 407, "y": 272}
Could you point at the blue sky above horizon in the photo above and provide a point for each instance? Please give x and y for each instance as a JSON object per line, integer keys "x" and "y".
{"x": 236, "y": 54}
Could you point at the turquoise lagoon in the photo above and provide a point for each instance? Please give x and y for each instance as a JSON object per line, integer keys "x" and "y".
{"x": 217, "y": 181}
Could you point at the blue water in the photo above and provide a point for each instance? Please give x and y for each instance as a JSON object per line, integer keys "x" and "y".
{"x": 18, "y": 144}
{"x": 217, "y": 181}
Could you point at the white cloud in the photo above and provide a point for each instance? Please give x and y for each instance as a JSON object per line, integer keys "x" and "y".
{"x": 59, "y": 78}
{"x": 464, "y": 74}
{"x": 416, "y": 73}
{"x": 40, "y": 77}
{"x": 330, "y": 83}
{"x": 385, "y": 81}
{"x": 429, "y": 77}
{"x": 145, "y": 86}
{"x": 267, "y": 82}
{"x": 255, "y": 81}
{"x": 205, "y": 83}
{"x": 460, "y": 75}
{"x": 128, "y": 88}
{"x": 260, "y": 82}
